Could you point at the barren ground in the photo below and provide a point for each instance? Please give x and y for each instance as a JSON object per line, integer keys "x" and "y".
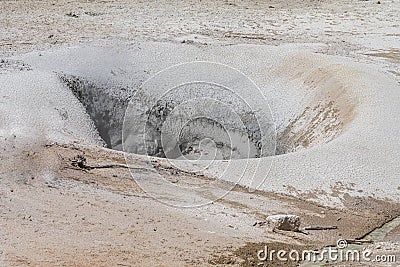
{"x": 68, "y": 216}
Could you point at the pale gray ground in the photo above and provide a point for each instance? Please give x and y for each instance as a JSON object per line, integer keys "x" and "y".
{"x": 57, "y": 214}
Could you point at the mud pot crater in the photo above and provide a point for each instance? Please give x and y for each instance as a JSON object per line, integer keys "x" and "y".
{"x": 324, "y": 110}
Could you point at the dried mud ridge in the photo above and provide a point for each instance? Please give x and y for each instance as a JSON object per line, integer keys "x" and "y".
{"x": 79, "y": 162}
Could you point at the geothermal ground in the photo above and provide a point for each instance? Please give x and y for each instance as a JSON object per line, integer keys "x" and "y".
{"x": 137, "y": 133}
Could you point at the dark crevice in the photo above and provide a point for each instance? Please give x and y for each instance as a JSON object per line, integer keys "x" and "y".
{"x": 106, "y": 105}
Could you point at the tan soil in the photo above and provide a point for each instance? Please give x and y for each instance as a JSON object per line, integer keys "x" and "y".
{"x": 64, "y": 215}
{"x": 53, "y": 213}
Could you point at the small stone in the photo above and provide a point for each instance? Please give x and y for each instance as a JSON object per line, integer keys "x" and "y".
{"x": 285, "y": 222}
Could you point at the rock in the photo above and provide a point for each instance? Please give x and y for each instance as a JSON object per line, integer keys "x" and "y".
{"x": 284, "y": 222}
